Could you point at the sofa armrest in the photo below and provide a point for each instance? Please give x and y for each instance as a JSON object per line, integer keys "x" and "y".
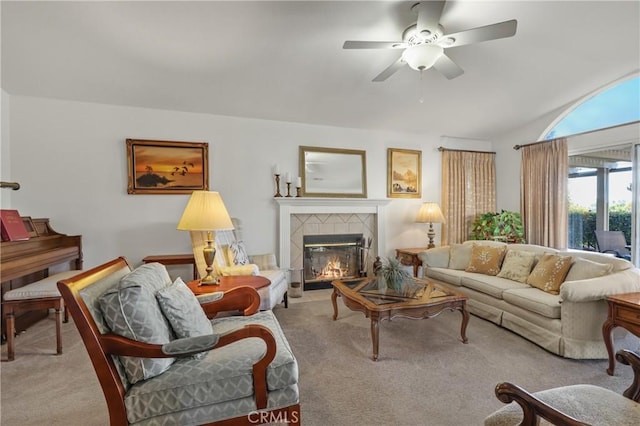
{"x": 264, "y": 261}
{"x": 627, "y": 281}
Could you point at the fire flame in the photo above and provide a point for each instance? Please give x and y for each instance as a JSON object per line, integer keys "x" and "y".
{"x": 333, "y": 269}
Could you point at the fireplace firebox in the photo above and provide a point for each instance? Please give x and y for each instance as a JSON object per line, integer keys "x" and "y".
{"x": 330, "y": 257}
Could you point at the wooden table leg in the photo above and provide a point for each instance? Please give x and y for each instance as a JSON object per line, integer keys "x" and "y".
{"x": 375, "y": 335}
{"x": 334, "y": 296}
{"x": 11, "y": 333}
{"x": 607, "y": 329}
{"x": 465, "y": 321}
{"x": 58, "y": 315}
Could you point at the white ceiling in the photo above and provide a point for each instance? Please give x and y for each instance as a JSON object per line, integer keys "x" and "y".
{"x": 284, "y": 60}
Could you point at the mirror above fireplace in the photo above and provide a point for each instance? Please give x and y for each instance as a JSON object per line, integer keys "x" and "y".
{"x": 332, "y": 172}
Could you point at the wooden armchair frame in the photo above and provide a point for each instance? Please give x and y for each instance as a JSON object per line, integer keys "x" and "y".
{"x": 533, "y": 408}
{"x": 101, "y": 347}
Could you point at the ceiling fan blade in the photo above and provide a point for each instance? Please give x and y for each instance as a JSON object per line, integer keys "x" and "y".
{"x": 477, "y": 35}
{"x": 429, "y": 13}
{"x": 374, "y": 45}
{"x": 445, "y": 66}
{"x": 390, "y": 70}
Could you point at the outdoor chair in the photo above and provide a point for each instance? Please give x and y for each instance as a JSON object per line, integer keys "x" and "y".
{"x": 231, "y": 370}
{"x": 574, "y": 405}
{"x": 613, "y": 242}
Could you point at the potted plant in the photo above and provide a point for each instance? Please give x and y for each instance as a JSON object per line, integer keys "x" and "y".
{"x": 393, "y": 274}
{"x": 505, "y": 225}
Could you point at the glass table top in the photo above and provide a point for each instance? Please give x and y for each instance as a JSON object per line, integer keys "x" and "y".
{"x": 377, "y": 291}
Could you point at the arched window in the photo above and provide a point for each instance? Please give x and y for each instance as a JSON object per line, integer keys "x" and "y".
{"x": 610, "y": 107}
{"x": 600, "y": 178}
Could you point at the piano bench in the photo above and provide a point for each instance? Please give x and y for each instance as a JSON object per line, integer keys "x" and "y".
{"x": 41, "y": 294}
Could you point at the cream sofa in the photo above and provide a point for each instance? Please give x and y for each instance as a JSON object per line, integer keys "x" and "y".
{"x": 568, "y": 324}
{"x": 263, "y": 264}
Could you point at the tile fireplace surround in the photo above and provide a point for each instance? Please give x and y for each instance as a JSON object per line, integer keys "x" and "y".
{"x": 317, "y": 216}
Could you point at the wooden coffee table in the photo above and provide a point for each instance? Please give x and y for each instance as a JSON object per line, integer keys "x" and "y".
{"x": 379, "y": 305}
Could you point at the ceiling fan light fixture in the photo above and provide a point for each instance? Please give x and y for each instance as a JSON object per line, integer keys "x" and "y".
{"x": 422, "y": 56}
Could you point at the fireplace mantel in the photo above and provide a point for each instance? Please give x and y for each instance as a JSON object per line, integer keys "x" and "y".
{"x": 307, "y": 205}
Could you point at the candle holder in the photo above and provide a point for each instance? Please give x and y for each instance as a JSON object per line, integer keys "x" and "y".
{"x": 288, "y": 190}
{"x": 298, "y": 190}
{"x": 278, "y": 194}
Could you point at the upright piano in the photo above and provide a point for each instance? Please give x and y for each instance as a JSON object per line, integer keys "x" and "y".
{"x": 23, "y": 262}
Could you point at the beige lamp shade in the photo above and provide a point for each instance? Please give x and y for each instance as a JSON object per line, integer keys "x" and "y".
{"x": 430, "y": 213}
{"x": 205, "y": 211}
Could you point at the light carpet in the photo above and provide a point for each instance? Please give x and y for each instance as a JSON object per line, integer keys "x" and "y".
{"x": 425, "y": 375}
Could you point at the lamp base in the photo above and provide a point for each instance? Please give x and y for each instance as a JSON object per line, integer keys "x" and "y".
{"x": 209, "y": 253}
{"x": 209, "y": 280}
{"x": 431, "y": 234}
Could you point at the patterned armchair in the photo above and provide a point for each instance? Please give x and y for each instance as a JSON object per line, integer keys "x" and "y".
{"x": 160, "y": 361}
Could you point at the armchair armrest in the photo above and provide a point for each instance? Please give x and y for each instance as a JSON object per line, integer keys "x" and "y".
{"x": 244, "y": 299}
{"x": 627, "y": 357}
{"x": 114, "y": 344}
{"x": 532, "y": 407}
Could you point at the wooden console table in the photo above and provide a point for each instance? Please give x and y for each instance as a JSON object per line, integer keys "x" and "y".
{"x": 409, "y": 257}
{"x": 624, "y": 311}
{"x": 174, "y": 259}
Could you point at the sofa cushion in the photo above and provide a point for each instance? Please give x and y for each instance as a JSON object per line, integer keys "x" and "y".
{"x": 493, "y": 286}
{"x": 550, "y": 272}
{"x": 448, "y": 276}
{"x": 459, "y": 256}
{"x": 534, "y": 300}
{"x": 583, "y": 269}
{"x": 224, "y": 374}
{"x": 517, "y": 265}
{"x": 181, "y": 307}
{"x": 486, "y": 259}
{"x": 435, "y": 258}
{"x": 131, "y": 310}
{"x": 238, "y": 253}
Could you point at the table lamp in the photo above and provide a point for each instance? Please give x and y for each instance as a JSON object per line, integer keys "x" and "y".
{"x": 430, "y": 213}
{"x": 205, "y": 211}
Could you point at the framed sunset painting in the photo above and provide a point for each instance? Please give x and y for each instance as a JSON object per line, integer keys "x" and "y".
{"x": 166, "y": 167}
{"x": 404, "y": 175}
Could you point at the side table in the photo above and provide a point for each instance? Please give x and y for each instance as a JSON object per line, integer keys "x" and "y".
{"x": 174, "y": 259}
{"x": 624, "y": 311}
{"x": 409, "y": 257}
{"x": 228, "y": 283}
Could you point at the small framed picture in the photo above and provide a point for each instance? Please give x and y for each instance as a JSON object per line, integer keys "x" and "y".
{"x": 404, "y": 173}
{"x": 165, "y": 167}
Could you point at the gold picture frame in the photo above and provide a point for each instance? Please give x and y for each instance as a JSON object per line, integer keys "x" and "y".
{"x": 404, "y": 173}
{"x": 167, "y": 167}
{"x": 333, "y": 172}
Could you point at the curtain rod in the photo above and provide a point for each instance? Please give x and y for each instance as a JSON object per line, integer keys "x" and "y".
{"x": 441, "y": 148}
{"x": 517, "y": 147}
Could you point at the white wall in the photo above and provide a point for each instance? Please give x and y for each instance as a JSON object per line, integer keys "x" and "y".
{"x": 5, "y": 165}
{"x": 70, "y": 159}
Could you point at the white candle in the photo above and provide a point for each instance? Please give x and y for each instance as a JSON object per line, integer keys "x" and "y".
{"x": 299, "y": 182}
{"x": 287, "y": 177}
{"x": 276, "y": 169}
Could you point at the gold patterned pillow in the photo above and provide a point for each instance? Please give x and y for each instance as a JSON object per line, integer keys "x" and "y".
{"x": 517, "y": 265}
{"x": 486, "y": 259}
{"x": 550, "y": 272}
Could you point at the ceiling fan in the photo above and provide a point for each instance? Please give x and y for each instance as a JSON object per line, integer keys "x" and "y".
{"x": 423, "y": 43}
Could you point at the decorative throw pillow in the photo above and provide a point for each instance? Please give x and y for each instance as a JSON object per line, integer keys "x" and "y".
{"x": 583, "y": 269}
{"x": 131, "y": 310}
{"x": 249, "y": 269}
{"x": 238, "y": 253}
{"x": 550, "y": 272}
{"x": 486, "y": 259}
{"x": 459, "y": 256}
{"x": 181, "y": 307}
{"x": 517, "y": 265}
